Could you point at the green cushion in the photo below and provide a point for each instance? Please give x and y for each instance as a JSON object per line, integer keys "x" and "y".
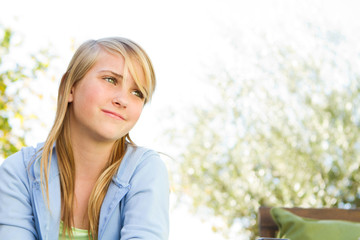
{"x": 298, "y": 228}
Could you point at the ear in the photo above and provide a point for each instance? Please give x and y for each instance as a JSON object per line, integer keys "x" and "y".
{"x": 71, "y": 95}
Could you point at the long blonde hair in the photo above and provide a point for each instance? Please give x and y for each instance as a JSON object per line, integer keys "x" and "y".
{"x": 82, "y": 61}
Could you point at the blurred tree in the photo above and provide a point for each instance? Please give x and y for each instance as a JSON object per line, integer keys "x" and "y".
{"x": 13, "y": 81}
{"x": 279, "y": 130}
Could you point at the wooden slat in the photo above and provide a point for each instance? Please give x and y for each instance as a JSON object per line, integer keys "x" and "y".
{"x": 268, "y": 227}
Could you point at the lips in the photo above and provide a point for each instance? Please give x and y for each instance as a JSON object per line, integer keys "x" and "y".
{"x": 113, "y": 114}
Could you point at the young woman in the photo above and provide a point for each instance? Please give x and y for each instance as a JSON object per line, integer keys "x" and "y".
{"x": 89, "y": 180}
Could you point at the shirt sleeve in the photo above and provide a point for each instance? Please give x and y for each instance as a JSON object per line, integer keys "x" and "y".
{"x": 16, "y": 214}
{"x": 146, "y": 206}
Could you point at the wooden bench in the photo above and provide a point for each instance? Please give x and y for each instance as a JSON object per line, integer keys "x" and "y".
{"x": 268, "y": 228}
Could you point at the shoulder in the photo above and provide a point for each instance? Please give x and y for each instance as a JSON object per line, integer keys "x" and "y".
{"x": 145, "y": 207}
{"x": 17, "y": 163}
{"x": 14, "y": 174}
{"x": 138, "y": 161}
{"x": 16, "y": 213}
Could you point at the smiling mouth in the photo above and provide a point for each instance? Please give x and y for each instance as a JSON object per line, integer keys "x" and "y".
{"x": 113, "y": 114}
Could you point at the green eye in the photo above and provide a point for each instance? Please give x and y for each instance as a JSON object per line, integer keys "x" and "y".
{"x": 111, "y": 80}
{"x": 138, "y": 94}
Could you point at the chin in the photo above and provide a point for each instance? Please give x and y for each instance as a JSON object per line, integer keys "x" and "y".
{"x": 114, "y": 138}
{"x": 111, "y": 133}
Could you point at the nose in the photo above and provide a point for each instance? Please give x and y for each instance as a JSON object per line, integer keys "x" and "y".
{"x": 120, "y": 101}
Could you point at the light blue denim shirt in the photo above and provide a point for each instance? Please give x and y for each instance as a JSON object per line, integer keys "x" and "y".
{"x": 136, "y": 205}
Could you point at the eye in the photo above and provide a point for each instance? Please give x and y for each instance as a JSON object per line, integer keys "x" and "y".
{"x": 111, "y": 80}
{"x": 138, "y": 94}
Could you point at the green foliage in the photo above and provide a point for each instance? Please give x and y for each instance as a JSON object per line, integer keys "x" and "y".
{"x": 13, "y": 77}
{"x": 287, "y": 135}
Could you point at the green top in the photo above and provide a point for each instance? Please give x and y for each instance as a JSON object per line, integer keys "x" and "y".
{"x": 78, "y": 234}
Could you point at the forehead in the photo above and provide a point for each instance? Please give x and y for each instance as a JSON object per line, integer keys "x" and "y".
{"x": 111, "y": 61}
{"x": 117, "y": 61}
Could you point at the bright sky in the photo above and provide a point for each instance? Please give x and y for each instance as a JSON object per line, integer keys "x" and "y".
{"x": 183, "y": 38}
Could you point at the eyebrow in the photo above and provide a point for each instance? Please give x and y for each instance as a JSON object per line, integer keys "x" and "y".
{"x": 113, "y": 73}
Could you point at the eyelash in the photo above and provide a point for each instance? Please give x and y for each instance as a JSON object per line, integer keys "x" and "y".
{"x": 114, "y": 81}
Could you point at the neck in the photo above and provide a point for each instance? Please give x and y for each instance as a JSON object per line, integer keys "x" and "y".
{"x": 90, "y": 158}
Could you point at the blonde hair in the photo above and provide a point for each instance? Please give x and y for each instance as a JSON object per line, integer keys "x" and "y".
{"x": 84, "y": 58}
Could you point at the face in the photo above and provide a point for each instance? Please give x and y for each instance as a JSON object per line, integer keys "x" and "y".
{"x": 104, "y": 106}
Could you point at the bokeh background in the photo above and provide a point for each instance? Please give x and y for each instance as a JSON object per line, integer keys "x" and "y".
{"x": 256, "y": 103}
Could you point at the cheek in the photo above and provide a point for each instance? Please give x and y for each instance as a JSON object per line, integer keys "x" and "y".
{"x": 85, "y": 101}
{"x": 136, "y": 112}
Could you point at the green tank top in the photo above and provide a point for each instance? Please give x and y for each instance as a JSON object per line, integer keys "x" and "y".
{"x": 78, "y": 234}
